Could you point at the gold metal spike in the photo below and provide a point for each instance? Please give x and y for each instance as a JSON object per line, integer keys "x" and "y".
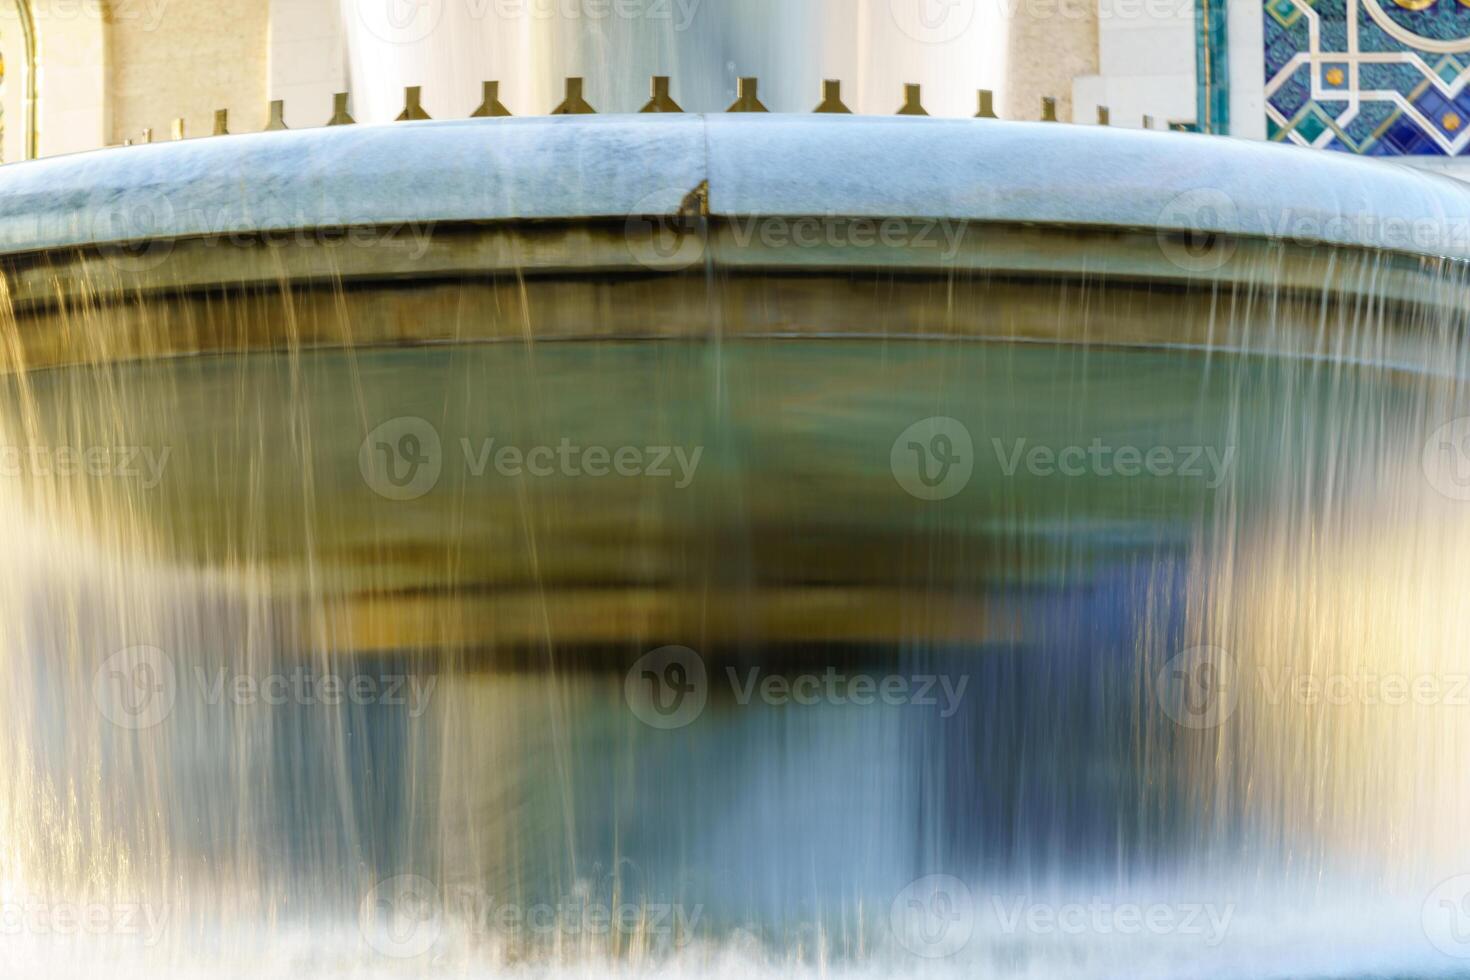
{"x": 832, "y": 98}
{"x": 178, "y": 129}
{"x": 148, "y": 135}
{"x": 278, "y": 115}
{"x": 911, "y": 104}
{"x": 413, "y": 108}
{"x": 573, "y": 104}
{"x": 1148, "y": 122}
{"x": 490, "y": 102}
{"x": 746, "y": 99}
{"x": 987, "y": 105}
{"x": 1104, "y": 118}
{"x": 127, "y": 142}
{"x": 221, "y": 122}
{"x": 340, "y": 115}
{"x": 1048, "y": 109}
{"x": 661, "y": 101}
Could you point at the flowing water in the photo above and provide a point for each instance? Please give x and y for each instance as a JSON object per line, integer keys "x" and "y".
{"x": 1162, "y": 674}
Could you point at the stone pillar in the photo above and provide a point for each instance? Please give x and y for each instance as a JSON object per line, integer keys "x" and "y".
{"x": 171, "y": 59}
{"x": 72, "y": 61}
{"x": 12, "y": 94}
{"x": 1146, "y": 63}
{"x": 1051, "y": 42}
{"x": 71, "y": 73}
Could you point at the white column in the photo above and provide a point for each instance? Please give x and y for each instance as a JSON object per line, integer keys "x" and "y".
{"x": 71, "y": 59}
{"x": 1246, "y": 33}
{"x": 308, "y": 59}
{"x": 1050, "y": 44}
{"x": 72, "y": 78}
{"x": 12, "y": 96}
{"x": 1146, "y": 64}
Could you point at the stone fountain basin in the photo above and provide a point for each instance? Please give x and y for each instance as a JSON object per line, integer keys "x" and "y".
{"x": 784, "y": 295}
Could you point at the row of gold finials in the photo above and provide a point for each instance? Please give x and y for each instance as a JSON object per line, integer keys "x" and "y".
{"x": 575, "y": 104}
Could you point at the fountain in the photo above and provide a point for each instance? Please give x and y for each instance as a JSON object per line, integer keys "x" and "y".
{"x": 738, "y": 543}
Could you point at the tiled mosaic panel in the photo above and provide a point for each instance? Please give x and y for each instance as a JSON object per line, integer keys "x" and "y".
{"x": 1399, "y": 88}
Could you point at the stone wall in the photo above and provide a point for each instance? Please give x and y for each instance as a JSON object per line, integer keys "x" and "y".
{"x": 173, "y": 58}
{"x": 1051, "y": 42}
